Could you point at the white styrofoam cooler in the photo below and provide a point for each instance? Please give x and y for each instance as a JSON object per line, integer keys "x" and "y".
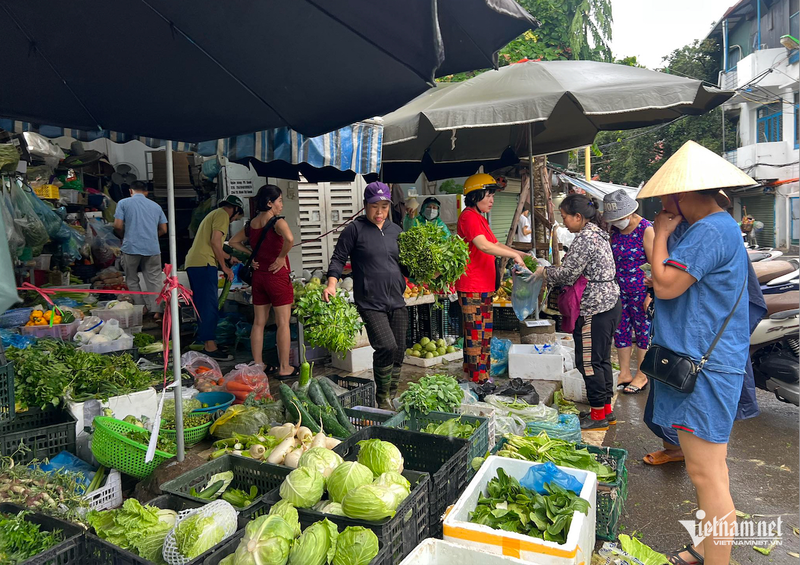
{"x": 525, "y": 362}
{"x": 142, "y": 403}
{"x": 356, "y": 360}
{"x": 434, "y": 551}
{"x": 574, "y": 387}
{"x": 580, "y": 538}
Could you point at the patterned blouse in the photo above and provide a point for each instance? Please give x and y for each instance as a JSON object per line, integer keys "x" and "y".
{"x": 589, "y": 255}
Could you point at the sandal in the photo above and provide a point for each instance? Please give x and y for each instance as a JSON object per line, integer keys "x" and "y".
{"x": 632, "y": 389}
{"x": 675, "y": 558}
{"x": 661, "y": 457}
{"x": 294, "y": 374}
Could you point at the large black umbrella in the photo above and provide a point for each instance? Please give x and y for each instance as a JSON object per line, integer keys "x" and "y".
{"x": 529, "y": 108}
{"x": 211, "y": 69}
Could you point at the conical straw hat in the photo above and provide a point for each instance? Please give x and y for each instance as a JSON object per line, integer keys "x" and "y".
{"x": 693, "y": 168}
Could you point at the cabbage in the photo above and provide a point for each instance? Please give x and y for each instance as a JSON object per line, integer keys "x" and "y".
{"x": 396, "y": 483}
{"x": 346, "y": 477}
{"x": 322, "y": 459}
{"x": 285, "y": 510}
{"x": 303, "y": 487}
{"x": 267, "y": 541}
{"x": 356, "y": 546}
{"x": 197, "y": 534}
{"x": 370, "y": 502}
{"x": 329, "y": 507}
{"x": 316, "y": 546}
{"x": 380, "y": 456}
{"x": 134, "y": 527}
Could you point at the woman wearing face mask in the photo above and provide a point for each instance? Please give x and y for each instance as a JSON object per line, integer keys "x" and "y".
{"x": 632, "y": 245}
{"x": 477, "y": 285}
{"x": 370, "y": 243}
{"x": 590, "y": 263}
{"x": 429, "y": 213}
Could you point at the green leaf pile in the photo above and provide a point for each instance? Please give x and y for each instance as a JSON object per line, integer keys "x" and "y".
{"x": 427, "y": 251}
{"x": 433, "y": 393}
{"x": 453, "y": 427}
{"x": 333, "y": 325}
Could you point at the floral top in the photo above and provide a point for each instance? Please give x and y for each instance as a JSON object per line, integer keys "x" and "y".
{"x": 590, "y": 256}
{"x": 629, "y": 255}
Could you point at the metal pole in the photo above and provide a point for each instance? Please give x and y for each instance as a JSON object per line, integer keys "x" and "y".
{"x": 532, "y": 196}
{"x": 176, "y": 311}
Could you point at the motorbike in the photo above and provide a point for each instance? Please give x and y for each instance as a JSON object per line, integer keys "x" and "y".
{"x": 775, "y": 345}
{"x": 778, "y": 276}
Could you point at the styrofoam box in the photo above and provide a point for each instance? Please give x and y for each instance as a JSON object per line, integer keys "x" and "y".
{"x": 356, "y": 360}
{"x": 574, "y": 387}
{"x": 580, "y": 538}
{"x": 525, "y": 363}
{"x": 434, "y": 551}
{"x": 142, "y": 403}
{"x": 420, "y": 362}
{"x": 565, "y": 340}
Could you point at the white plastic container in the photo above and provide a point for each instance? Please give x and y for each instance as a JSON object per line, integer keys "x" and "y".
{"x": 138, "y": 404}
{"x": 580, "y": 538}
{"x": 482, "y": 410}
{"x": 356, "y": 360}
{"x": 437, "y": 552}
{"x": 121, "y": 344}
{"x": 524, "y": 362}
{"x": 109, "y": 495}
{"x": 574, "y": 387}
{"x": 127, "y": 317}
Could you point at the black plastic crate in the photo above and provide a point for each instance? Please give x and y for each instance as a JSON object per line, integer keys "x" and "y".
{"x": 71, "y": 551}
{"x": 228, "y": 547}
{"x": 246, "y": 473}
{"x": 504, "y": 318}
{"x": 6, "y": 392}
{"x": 360, "y": 392}
{"x": 445, "y": 459}
{"x": 101, "y": 552}
{"x": 46, "y": 433}
{"x": 400, "y": 534}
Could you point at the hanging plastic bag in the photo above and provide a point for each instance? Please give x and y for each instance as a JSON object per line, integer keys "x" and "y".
{"x": 525, "y": 292}
{"x": 530, "y": 413}
{"x": 106, "y": 246}
{"x": 73, "y": 244}
{"x": 499, "y": 351}
{"x": 26, "y": 219}
{"x": 51, "y": 221}
{"x": 8, "y": 285}
{"x": 9, "y": 158}
{"x": 16, "y": 241}
{"x": 538, "y": 475}
{"x": 246, "y": 379}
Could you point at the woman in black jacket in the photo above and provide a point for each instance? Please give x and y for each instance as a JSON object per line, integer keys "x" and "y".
{"x": 370, "y": 243}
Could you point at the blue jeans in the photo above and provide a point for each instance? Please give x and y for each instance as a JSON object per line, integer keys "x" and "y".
{"x": 204, "y": 292}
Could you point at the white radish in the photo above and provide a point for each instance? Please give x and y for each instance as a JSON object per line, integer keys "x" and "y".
{"x": 293, "y": 458}
{"x": 279, "y": 454}
{"x": 282, "y": 432}
{"x": 303, "y": 433}
{"x": 331, "y": 442}
{"x": 319, "y": 440}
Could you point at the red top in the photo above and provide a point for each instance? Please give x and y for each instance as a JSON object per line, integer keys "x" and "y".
{"x": 480, "y": 273}
{"x": 269, "y": 250}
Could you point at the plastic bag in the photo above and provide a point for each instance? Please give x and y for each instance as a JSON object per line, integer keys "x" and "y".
{"x": 499, "y": 351}
{"x": 16, "y": 241}
{"x": 66, "y": 462}
{"x": 51, "y": 221}
{"x": 90, "y": 324}
{"x": 9, "y": 158}
{"x": 243, "y": 334}
{"x": 568, "y": 428}
{"x": 111, "y": 330}
{"x": 13, "y": 339}
{"x": 247, "y": 378}
{"x": 8, "y": 284}
{"x": 26, "y": 219}
{"x": 239, "y": 419}
{"x": 509, "y": 424}
{"x": 520, "y": 389}
{"x": 525, "y": 292}
{"x": 529, "y": 413}
{"x": 538, "y": 475}
{"x": 206, "y": 372}
{"x": 105, "y": 245}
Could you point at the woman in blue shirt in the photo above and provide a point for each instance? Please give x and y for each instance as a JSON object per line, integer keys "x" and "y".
{"x": 697, "y": 283}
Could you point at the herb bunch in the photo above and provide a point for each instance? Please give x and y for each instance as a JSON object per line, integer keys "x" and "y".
{"x": 21, "y": 539}
{"x": 333, "y": 325}
{"x": 433, "y": 393}
{"x": 453, "y": 427}
{"x": 432, "y": 257}
{"x": 543, "y": 449}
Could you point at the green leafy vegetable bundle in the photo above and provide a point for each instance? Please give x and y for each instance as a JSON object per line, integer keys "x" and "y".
{"x": 142, "y": 340}
{"x": 48, "y": 371}
{"x": 453, "y": 427}
{"x": 21, "y": 540}
{"x": 531, "y": 263}
{"x": 432, "y": 257}
{"x": 513, "y": 508}
{"x": 333, "y": 325}
{"x": 139, "y": 529}
{"x": 562, "y": 453}
{"x": 142, "y": 436}
{"x": 433, "y": 393}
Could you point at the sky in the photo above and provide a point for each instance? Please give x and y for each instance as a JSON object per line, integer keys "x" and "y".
{"x": 652, "y": 29}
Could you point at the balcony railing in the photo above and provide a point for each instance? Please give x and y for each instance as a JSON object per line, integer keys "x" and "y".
{"x": 731, "y": 156}
{"x": 730, "y": 80}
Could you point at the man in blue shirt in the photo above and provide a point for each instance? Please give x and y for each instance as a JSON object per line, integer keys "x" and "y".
{"x": 140, "y": 222}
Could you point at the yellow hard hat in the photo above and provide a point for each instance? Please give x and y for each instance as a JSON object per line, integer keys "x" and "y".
{"x": 480, "y": 181}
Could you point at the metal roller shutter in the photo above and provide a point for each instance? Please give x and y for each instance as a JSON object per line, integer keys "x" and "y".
{"x": 502, "y": 214}
{"x": 762, "y": 208}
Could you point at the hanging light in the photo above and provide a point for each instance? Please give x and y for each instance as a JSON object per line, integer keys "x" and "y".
{"x": 789, "y": 42}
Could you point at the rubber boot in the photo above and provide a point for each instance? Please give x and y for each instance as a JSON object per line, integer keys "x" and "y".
{"x": 383, "y": 382}
{"x": 395, "y": 381}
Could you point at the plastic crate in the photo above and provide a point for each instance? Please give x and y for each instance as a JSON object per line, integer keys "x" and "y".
{"x": 445, "y": 459}
{"x": 6, "y": 392}
{"x": 416, "y": 421}
{"x": 127, "y": 317}
{"x": 57, "y": 331}
{"x": 362, "y": 417}
{"x": 484, "y": 411}
{"x": 114, "y": 450}
{"x": 611, "y": 497}
{"x": 101, "y": 552}
{"x": 246, "y": 473}
{"x": 71, "y": 551}
{"x": 360, "y": 391}
{"x": 400, "y": 534}
{"x": 109, "y": 495}
{"x": 117, "y": 346}
{"x": 504, "y": 319}
{"x": 47, "y": 192}
{"x": 16, "y": 317}
{"x": 46, "y": 433}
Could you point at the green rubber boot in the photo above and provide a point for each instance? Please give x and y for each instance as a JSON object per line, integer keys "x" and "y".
{"x": 395, "y": 381}
{"x": 383, "y": 381}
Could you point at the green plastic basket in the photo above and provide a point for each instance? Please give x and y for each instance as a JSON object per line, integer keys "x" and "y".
{"x": 191, "y": 436}
{"x": 611, "y": 497}
{"x": 112, "y": 449}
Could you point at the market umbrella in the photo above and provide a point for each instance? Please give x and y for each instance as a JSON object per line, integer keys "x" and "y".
{"x": 530, "y": 108}
{"x": 214, "y": 69}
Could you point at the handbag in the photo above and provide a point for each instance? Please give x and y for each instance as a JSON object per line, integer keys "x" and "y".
{"x": 676, "y": 370}
{"x": 245, "y": 273}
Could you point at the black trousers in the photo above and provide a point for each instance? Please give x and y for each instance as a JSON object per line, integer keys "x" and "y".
{"x": 387, "y": 335}
{"x": 593, "y": 339}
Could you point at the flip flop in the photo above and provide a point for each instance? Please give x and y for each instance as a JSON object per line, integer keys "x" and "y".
{"x": 631, "y": 389}
{"x": 293, "y": 375}
{"x": 675, "y": 558}
{"x": 661, "y": 457}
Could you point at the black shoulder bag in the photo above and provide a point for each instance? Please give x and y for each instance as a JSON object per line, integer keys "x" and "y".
{"x": 246, "y": 271}
{"x": 679, "y": 371}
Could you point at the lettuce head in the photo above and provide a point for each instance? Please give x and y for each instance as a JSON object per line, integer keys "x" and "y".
{"x": 346, "y": 477}
{"x": 285, "y": 510}
{"x": 267, "y": 541}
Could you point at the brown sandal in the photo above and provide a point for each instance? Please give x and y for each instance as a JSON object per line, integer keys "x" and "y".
{"x": 675, "y": 558}
{"x": 662, "y": 457}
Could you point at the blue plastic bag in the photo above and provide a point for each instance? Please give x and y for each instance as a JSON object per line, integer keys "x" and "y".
{"x": 538, "y": 475}
{"x": 568, "y": 428}
{"x": 499, "y": 352}
{"x": 67, "y": 462}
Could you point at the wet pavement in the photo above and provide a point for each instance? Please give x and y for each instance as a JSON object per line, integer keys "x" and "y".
{"x": 763, "y": 460}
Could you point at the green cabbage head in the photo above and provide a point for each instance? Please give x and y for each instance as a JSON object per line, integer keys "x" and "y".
{"x": 267, "y": 541}
{"x": 303, "y": 487}
{"x": 316, "y": 545}
{"x": 380, "y": 456}
{"x": 356, "y": 546}
{"x": 370, "y": 502}
{"x": 197, "y": 534}
{"x": 322, "y": 459}
{"x": 285, "y": 510}
{"x": 346, "y": 477}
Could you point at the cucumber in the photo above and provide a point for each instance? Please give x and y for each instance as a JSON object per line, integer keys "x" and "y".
{"x": 297, "y": 409}
{"x": 329, "y": 421}
{"x": 337, "y": 407}
{"x": 316, "y": 395}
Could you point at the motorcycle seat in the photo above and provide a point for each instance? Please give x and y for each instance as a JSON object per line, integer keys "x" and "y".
{"x": 781, "y": 302}
{"x": 768, "y": 270}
